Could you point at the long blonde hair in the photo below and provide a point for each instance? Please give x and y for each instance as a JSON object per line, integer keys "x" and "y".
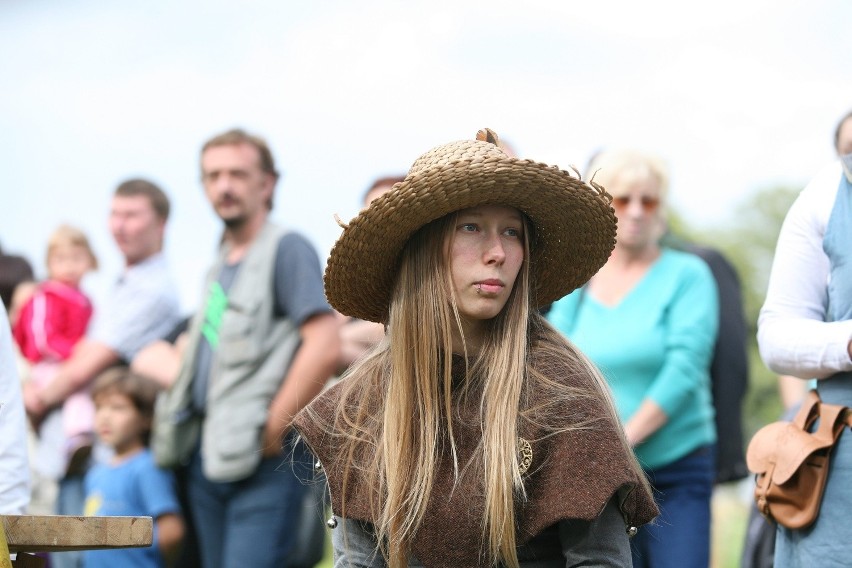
{"x": 393, "y": 442}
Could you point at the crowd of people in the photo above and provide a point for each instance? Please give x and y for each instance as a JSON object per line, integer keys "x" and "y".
{"x": 505, "y": 363}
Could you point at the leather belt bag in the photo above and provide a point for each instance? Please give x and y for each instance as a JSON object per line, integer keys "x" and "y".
{"x": 791, "y": 461}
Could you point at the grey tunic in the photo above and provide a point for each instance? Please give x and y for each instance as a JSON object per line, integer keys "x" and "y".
{"x": 602, "y": 543}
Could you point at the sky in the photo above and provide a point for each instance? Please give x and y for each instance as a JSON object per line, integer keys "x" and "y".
{"x": 734, "y": 96}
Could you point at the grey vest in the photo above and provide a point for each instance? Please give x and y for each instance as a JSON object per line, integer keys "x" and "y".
{"x": 254, "y": 353}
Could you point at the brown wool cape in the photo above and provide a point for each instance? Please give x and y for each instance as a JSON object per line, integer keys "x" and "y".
{"x": 572, "y": 475}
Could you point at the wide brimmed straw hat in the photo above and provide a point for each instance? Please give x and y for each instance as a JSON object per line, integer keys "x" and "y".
{"x": 574, "y": 223}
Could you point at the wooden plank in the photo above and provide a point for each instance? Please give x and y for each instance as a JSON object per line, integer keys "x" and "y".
{"x": 5, "y": 561}
{"x": 55, "y": 533}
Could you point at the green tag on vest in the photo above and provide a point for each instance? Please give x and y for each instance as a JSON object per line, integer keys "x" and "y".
{"x": 217, "y": 301}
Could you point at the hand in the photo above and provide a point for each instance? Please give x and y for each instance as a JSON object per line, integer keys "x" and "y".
{"x": 33, "y": 403}
{"x": 273, "y": 440}
{"x": 628, "y": 434}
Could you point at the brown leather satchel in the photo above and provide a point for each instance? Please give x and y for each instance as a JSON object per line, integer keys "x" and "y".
{"x": 791, "y": 462}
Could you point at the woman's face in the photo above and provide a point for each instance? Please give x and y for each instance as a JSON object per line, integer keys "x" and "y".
{"x": 637, "y": 206}
{"x": 486, "y": 251}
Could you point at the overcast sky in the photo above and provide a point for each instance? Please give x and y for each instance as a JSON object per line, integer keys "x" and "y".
{"x": 735, "y": 96}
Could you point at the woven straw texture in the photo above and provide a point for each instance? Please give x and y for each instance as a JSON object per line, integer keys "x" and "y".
{"x": 574, "y": 223}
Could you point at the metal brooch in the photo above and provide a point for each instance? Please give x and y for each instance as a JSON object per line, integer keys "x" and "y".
{"x": 525, "y": 455}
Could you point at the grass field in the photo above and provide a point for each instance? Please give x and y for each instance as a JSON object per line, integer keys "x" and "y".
{"x": 730, "y": 515}
{"x": 731, "y": 505}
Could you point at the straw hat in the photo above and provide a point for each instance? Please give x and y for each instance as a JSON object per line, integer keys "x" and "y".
{"x": 574, "y": 223}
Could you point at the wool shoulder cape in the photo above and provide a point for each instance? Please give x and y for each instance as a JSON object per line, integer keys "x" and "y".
{"x": 572, "y": 476}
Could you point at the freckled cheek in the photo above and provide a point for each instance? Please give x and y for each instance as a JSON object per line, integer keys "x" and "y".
{"x": 513, "y": 266}
{"x": 516, "y": 253}
{"x": 462, "y": 256}
{"x": 516, "y": 272}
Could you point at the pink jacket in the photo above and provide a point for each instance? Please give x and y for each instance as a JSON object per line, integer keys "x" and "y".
{"x": 52, "y": 322}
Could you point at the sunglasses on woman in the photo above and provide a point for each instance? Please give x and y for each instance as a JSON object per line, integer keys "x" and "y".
{"x": 649, "y": 204}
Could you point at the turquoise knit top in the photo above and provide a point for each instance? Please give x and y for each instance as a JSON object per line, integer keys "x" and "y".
{"x": 656, "y": 343}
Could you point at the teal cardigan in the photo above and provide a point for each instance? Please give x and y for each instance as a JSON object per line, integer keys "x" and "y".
{"x": 656, "y": 343}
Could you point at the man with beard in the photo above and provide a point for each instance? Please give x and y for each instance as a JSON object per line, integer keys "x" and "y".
{"x": 261, "y": 347}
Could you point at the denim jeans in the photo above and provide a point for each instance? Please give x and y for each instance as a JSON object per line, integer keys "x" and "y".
{"x": 680, "y": 536}
{"x": 70, "y": 500}
{"x": 253, "y": 521}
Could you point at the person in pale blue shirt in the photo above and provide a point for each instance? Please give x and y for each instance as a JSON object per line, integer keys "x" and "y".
{"x": 142, "y": 307}
{"x": 648, "y": 319}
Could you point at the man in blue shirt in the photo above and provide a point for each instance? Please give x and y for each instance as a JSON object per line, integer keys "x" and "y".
{"x": 142, "y": 306}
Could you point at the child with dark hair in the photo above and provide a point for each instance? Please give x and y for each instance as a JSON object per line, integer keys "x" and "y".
{"x": 14, "y": 270}
{"x": 130, "y": 483}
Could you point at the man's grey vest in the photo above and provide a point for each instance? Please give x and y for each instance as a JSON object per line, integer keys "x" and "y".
{"x": 254, "y": 353}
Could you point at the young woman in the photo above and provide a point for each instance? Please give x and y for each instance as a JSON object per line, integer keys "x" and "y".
{"x": 473, "y": 434}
